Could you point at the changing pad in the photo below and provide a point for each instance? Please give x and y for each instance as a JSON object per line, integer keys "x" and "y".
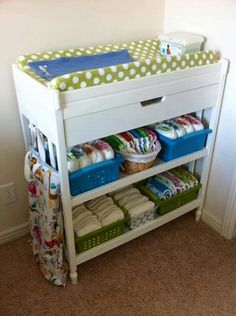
{"x": 147, "y": 62}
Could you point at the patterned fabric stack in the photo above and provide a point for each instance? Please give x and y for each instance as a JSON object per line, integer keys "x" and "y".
{"x": 169, "y": 183}
{"x": 136, "y": 141}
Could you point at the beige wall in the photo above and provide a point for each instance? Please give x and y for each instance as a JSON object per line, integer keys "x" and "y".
{"x": 217, "y": 21}
{"x": 29, "y": 26}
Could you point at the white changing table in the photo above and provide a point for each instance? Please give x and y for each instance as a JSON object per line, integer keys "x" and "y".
{"x": 77, "y": 116}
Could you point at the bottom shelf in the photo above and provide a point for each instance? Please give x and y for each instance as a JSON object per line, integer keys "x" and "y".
{"x": 132, "y": 234}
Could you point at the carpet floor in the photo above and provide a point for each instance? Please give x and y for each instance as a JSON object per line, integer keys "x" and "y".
{"x": 182, "y": 268}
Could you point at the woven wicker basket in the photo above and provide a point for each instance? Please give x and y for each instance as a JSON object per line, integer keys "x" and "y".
{"x": 138, "y": 162}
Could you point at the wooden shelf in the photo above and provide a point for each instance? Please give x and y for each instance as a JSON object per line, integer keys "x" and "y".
{"x": 159, "y": 167}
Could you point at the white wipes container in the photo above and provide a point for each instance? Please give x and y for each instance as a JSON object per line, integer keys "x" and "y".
{"x": 177, "y": 43}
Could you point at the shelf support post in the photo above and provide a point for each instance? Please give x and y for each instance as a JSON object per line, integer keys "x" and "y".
{"x": 65, "y": 191}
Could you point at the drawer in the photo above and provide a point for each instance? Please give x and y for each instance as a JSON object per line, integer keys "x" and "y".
{"x": 83, "y": 128}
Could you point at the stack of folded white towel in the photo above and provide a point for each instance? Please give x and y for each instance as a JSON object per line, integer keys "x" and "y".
{"x": 84, "y": 221}
{"x": 95, "y": 214}
{"x": 132, "y": 200}
{"x": 105, "y": 209}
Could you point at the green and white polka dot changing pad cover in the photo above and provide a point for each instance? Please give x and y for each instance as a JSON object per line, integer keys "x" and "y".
{"x": 147, "y": 62}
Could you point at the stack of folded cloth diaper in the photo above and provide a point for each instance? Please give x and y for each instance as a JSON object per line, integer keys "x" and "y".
{"x": 95, "y": 214}
{"x": 138, "y": 206}
{"x": 136, "y": 141}
{"x": 105, "y": 210}
{"x": 169, "y": 183}
{"x": 179, "y": 126}
{"x": 81, "y": 156}
{"x": 84, "y": 221}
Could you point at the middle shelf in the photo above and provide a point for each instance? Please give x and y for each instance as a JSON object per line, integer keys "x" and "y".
{"x": 126, "y": 180}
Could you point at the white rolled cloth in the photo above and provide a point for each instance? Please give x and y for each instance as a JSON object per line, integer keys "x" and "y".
{"x": 128, "y": 198}
{"x": 88, "y": 228}
{"x": 112, "y": 217}
{"x": 78, "y": 210}
{"x": 85, "y": 221}
{"x": 103, "y": 213}
{"x": 84, "y": 161}
{"x": 136, "y": 201}
{"x": 81, "y": 216}
{"x": 93, "y": 203}
{"x": 125, "y": 192}
{"x": 102, "y": 203}
{"x": 106, "y": 205}
{"x": 141, "y": 209}
{"x": 119, "y": 190}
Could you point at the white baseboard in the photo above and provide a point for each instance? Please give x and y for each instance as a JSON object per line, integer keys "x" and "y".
{"x": 14, "y": 233}
{"x": 212, "y": 221}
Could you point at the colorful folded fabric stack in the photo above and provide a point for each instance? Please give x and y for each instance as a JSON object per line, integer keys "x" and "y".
{"x": 169, "y": 183}
{"x": 137, "y": 141}
{"x": 95, "y": 214}
{"x": 179, "y": 126}
{"x": 81, "y": 156}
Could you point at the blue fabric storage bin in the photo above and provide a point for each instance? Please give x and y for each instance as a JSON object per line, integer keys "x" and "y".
{"x": 187, "y": 144}
{"x": 95, "y": 175}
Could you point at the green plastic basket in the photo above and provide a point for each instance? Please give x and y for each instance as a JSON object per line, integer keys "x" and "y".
{"x": 100, "y": 236}
{"x": 168, "y": 205}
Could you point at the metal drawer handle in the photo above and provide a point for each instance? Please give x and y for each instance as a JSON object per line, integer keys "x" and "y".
{"x": 152, "y": 101}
